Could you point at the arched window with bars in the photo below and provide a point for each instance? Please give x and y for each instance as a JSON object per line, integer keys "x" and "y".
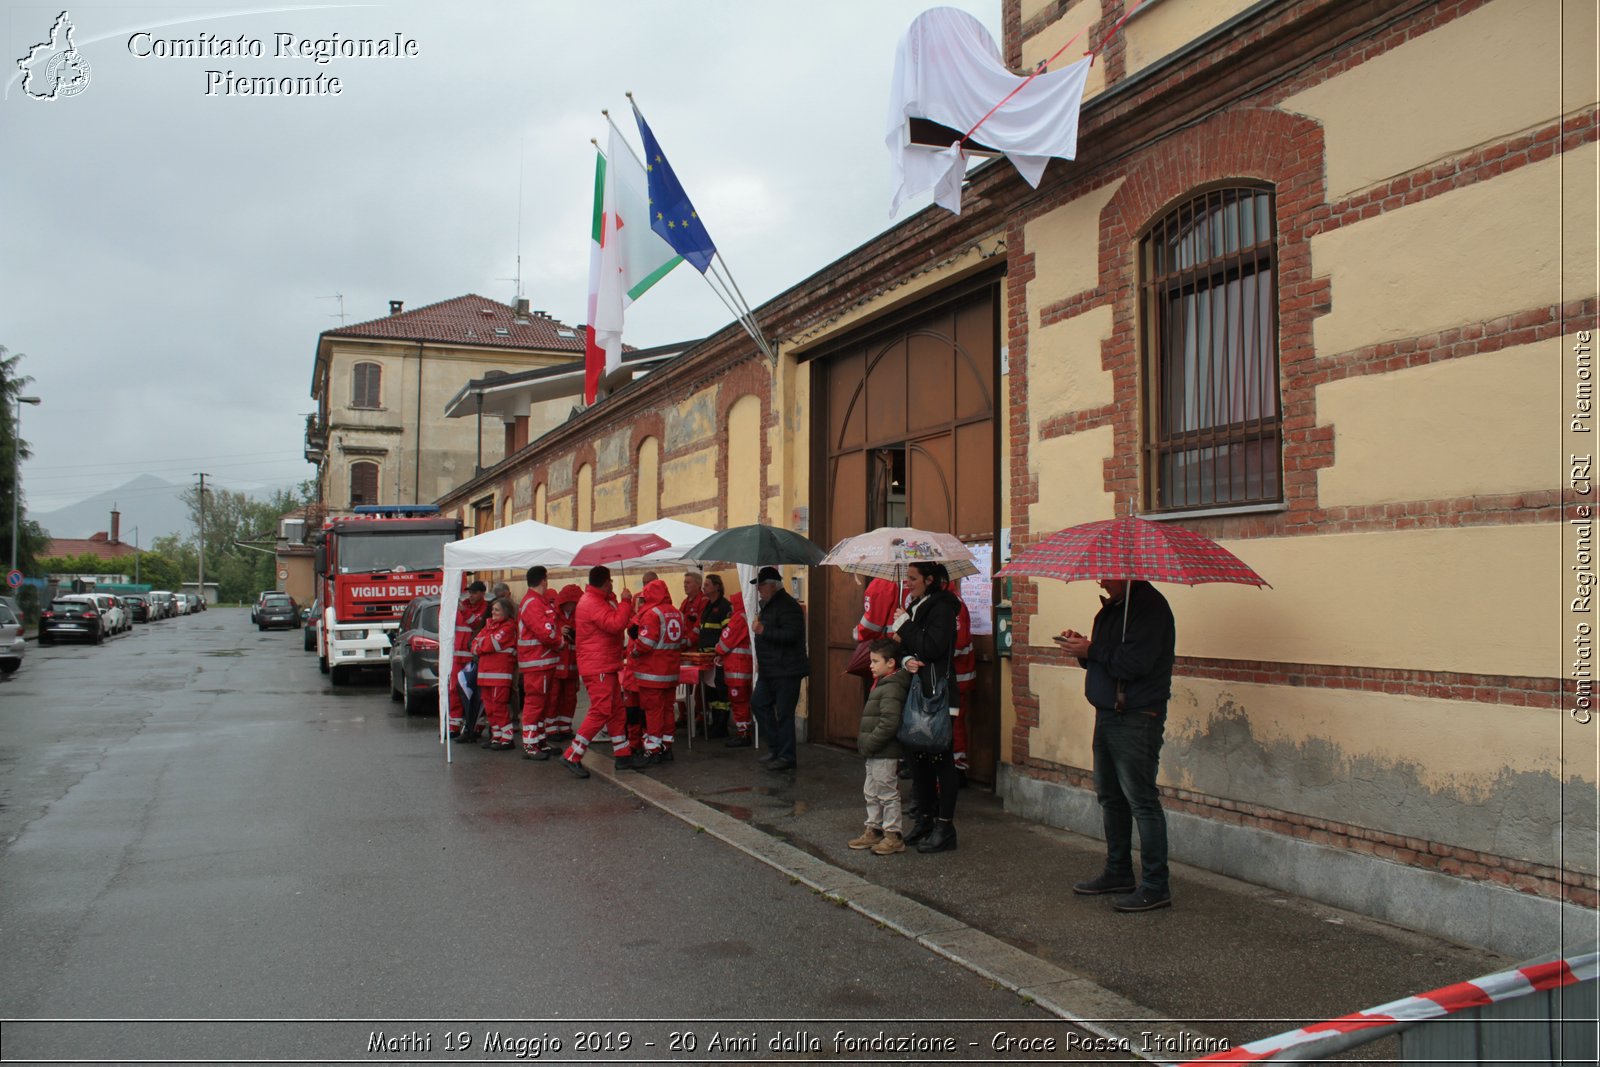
{"x": 363, "y": 483}
{"x": 1213, "y": 426}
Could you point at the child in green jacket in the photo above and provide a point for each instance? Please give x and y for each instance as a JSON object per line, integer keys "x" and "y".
{"x": 880, "y": 722}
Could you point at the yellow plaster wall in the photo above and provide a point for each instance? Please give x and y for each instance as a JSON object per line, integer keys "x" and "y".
{"x": 1466, "y": 256}
{"x": 1074, "y": 490}
{"x": 744, "y": 461}
{"x": 1065, "y": 733}
{"x": 1476, "y": 79}
{"x": 1419, "y": 433}
{"x": 1031, "y": 8}
{"x": 559, "y": 513}
{"x": 611, "y": 501}
{"x": 584, "y": 506}
{"x": 1477, "y": 599}
{"x": 540, "y": 512}
{"x": 1161, "y": 29}
{"x": 649, "y": 494}
{"x": 1064, "y": 368}
{"x": 689, "y": 479}
{"x": 1044, "y": 44}
{"x": 708, "y": 519}
{"x": 1065, "y": 244}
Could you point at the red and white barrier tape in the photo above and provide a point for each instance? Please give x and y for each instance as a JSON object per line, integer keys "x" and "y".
{"x": 1491, "y": 989}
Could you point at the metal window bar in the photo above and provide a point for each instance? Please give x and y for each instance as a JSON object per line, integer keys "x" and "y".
{"x": 1213, "y": 421}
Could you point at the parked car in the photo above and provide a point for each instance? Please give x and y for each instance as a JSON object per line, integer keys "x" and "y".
{"x": 197, "y": 602}
{"x": 12, "y": 644}
{"x": 279, "y": 609}
{"x": 310, "y": 619}
{"x": 414, "y": 659}
{"x": 161, "y": 604}
{"x": 75, "y": 617}
{"x": 112, "y": 611}
{"x": 260, "y": 599}
{"x": 138, "y": 607}
{"x": 180, "y": 603}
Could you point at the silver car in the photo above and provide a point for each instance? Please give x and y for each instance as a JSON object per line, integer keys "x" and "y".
{"x": 12, "y": 645}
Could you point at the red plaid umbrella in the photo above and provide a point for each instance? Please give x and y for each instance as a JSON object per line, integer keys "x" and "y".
{"x": 1131, "y": 548}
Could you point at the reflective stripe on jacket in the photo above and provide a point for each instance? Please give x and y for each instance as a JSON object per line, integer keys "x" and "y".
{"x": 496, "y": 648}
{"x": 538, "y": 634}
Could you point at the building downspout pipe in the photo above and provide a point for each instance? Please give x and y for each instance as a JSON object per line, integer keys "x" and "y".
{"x": 416, "y": 489}
{"x": 479, "y": 468}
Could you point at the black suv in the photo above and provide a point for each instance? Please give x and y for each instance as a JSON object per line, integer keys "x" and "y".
{"x": 414, "y": 659}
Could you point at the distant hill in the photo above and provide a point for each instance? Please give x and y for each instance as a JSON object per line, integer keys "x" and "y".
{"x": 146, "y": 502}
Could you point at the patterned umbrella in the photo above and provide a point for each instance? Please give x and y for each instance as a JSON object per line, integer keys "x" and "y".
{"x": 1131, "y": 548}
{"x": 885, "y": 552}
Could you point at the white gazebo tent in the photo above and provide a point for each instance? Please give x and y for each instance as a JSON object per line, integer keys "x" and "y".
{"x": 529, "y": 544}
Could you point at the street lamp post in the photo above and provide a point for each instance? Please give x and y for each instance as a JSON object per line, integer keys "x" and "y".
{"x": 16, "y": 470}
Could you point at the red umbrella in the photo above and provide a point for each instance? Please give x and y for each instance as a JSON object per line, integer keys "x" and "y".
{"x": 1131, "y": 548}
{"x": 619, "y": 547}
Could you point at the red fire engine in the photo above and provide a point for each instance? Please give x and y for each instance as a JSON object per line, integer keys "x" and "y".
{"x": 369, "y": 566}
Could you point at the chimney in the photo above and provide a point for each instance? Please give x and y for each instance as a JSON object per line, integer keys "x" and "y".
{"x": 522, "y": 307}
{"x": 116, "y": 526}
{"x": 396, "y": 306}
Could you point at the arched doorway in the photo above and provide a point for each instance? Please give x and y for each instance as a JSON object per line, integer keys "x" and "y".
{"x": 906, "y": 421}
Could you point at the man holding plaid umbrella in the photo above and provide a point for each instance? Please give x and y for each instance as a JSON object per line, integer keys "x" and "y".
{"x": 1128, "y": 656}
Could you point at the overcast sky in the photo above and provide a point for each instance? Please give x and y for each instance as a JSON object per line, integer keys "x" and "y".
{"x": 170, "y": 255}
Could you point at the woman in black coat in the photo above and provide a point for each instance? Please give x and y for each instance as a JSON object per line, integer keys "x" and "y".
{"x": 928, "y": 632}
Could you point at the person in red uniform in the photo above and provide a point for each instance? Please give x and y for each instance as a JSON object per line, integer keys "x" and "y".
{"x": 694, "y": 602}
{"x": 539, "y": 644}
{"x": 496, "y": 649}
{"x": 602, "y": 621}
{"x": 559, "y": 724}
{"x": 883, "y": 600}
{"x": 470, "y": 615}
{"x": 966, "y": 666}
{"x": 656, "y": 654}
{"x": 738, "y": 671}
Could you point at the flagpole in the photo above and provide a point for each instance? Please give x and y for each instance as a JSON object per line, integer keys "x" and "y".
{"x": 734, "y": 301}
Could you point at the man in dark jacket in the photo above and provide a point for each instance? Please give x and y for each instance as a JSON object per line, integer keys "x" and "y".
{"x": 781, "y": 661}
{"x": 1129, "y": 658}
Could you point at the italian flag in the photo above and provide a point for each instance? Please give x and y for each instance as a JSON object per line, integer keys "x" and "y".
{"x": 626, "y": 257}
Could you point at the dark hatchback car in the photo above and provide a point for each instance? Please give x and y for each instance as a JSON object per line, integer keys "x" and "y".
{"x": 138, "y": 607}
{"x": 278, "y": 610}
{"x": 414, "y": 659}
{"x": 74, "y": 620}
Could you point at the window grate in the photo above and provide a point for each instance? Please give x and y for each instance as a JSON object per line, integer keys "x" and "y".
{"x": 1213, "y": 424}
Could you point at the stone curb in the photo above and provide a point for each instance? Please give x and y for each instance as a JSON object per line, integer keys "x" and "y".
{"x": 1065, "y": 994}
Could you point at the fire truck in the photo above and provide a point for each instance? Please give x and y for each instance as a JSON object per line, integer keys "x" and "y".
{"x": 369, "y": 566}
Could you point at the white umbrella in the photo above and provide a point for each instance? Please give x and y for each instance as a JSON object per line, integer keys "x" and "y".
{"x": 886, "y": 552}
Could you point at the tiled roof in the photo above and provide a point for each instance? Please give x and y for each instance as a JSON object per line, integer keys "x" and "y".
{"x": 471, "y": 320}
{"x": 98, "y": 545}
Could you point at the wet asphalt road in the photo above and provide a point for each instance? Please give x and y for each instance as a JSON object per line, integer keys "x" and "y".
{"x": 195, "y": 825}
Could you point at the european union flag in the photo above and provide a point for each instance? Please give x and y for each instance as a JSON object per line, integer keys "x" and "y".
{"x": 671, "y": 214}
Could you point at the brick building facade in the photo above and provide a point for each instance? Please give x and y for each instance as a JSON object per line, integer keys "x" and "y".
{"x": 1386, "y": 729}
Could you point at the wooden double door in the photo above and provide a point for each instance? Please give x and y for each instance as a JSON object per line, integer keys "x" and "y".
{"x": 907, "y": 436}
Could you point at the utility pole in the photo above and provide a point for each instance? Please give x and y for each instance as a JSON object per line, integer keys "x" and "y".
{"x": 136, "y": 555}
{"x": 202, "y": 582}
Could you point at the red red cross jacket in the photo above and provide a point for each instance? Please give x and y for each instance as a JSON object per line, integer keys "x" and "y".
{"x": 692, "y": 608}
{"x": 568, "y": 667}
{"x": 658, "y": 650}
{"x": 734, "y": 646}
{"x": 883, "y": 600}
{"x": 601, "y": 623}
{"x": 469, "y": 617}
{"x": 966, "y": 660}
{"x": 496, "y": 649}
{"x": 538, "y": 634}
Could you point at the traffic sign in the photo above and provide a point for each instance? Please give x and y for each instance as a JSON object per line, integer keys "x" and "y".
{"x": 14, "y": 579}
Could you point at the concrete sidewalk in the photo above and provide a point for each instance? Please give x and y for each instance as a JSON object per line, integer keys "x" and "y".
{"x": 1230, "y": 960}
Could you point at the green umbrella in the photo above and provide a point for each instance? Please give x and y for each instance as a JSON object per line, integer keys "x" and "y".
{"x": 757, "y": 545}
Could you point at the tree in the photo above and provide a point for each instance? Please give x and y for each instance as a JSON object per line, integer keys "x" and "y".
{"x": 230, "y": 518}
{"x": 31, "y": 538}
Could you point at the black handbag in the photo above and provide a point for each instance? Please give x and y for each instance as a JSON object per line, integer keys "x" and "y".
{"x": 925, "y": 725}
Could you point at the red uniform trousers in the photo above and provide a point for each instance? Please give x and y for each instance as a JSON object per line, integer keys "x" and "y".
{"x": 497, "y": 709}
{"x": 739, "y": 704}
{"x": 538, "y": 707}
{"x": 565, "y": 705}
{"x": 605, "y": 713}
{"x": 660, "y": 716}
{"x": 458, "y": 700}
